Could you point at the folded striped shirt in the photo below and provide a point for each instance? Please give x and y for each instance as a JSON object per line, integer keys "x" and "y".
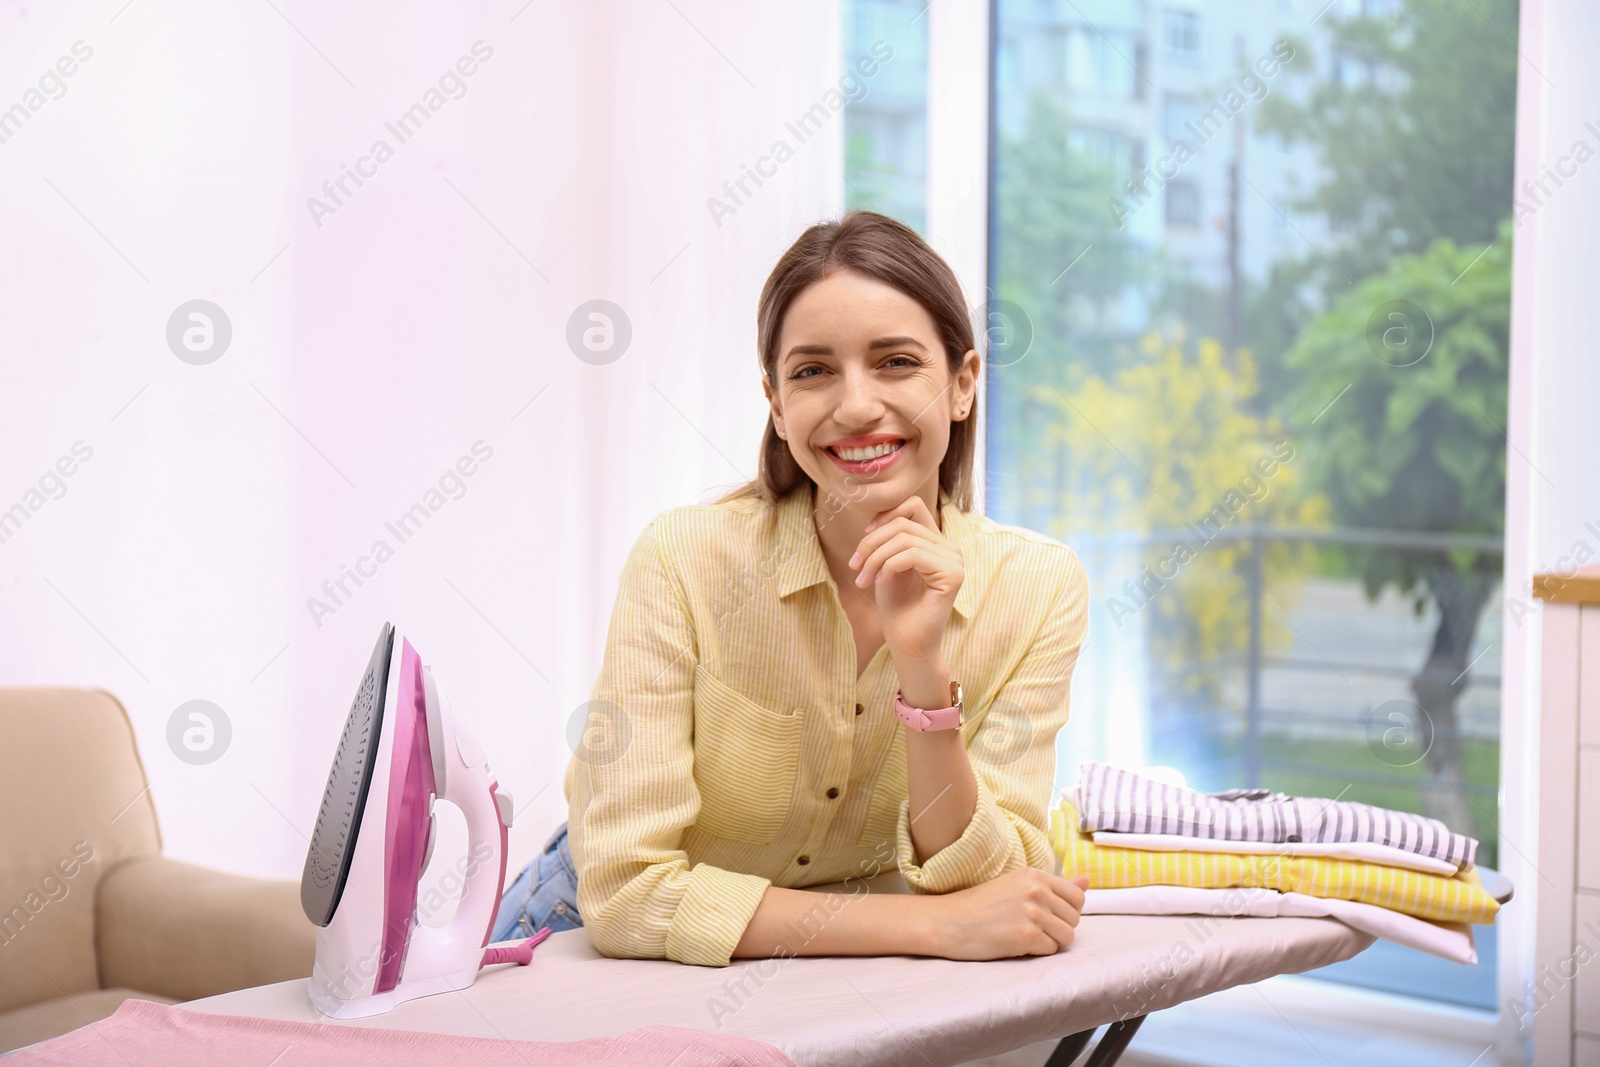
{"x": 1461, "y": 898}
{"x": 1362, "y": 851}
{"x": 1110, "y": 798}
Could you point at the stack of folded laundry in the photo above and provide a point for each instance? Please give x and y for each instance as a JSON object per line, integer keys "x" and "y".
{"x": 1150, "y": 848}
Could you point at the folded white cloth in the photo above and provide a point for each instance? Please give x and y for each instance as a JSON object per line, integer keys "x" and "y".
{"x": 1364, "y": 851}
{"x": 1452, "y": 941}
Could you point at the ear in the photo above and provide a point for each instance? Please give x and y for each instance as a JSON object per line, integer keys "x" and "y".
{"x": 964, "y": 390}
{"x": 772, "y": 402}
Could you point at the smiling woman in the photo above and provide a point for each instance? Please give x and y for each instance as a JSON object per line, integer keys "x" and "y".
{"x": 831, "y": 666}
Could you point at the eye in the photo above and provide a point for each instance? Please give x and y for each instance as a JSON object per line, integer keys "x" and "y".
{"x": 903, "y": 360}
{"x": 802, "y": 372}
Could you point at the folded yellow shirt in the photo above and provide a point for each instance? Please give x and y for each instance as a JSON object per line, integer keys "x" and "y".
{"x": 1461, "y": 898}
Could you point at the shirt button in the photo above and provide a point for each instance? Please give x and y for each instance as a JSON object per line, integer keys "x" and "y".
{"x": 833, "y": 791}
{"x": 803, "y": 860}
{"x": 561, "y": 907}
{"x": 859, "y": 709}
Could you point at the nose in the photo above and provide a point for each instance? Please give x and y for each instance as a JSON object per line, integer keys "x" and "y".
{"x": 860, "y": 405}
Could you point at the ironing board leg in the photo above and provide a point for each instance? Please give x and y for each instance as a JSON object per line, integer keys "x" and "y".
{"x": 1071, "y": 1047}
{"x": 1110, "y": 1049}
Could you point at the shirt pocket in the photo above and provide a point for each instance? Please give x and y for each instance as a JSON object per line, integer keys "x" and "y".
{"x": 746, "y": 760}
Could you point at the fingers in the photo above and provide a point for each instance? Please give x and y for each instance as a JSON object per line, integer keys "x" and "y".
{"x": 935, "y": 569}
{"x": 912, "y": 507}
{"x": 1058, "y": 930}
{"x": 1065, "y": 910}
{"x": 1073, "y": 891}
{"x": 934, "y": 556}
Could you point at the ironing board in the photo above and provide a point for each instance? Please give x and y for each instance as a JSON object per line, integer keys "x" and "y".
{"x": 881, "y": 1011}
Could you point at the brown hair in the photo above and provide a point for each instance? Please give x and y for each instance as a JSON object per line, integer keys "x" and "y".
{"x": 891, "y": 252}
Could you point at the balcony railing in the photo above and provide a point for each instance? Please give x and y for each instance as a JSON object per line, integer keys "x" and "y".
{"x": 1256, "y": 714}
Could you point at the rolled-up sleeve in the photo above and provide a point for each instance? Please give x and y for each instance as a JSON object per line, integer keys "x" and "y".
{"x": 632, "y": 792}
{"x": 1013, "y": 751}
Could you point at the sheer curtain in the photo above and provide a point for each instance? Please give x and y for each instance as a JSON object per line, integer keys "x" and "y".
{"x": 407, "y": 219}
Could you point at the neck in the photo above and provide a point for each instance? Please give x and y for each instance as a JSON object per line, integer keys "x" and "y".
{"x": 841, "y": 532}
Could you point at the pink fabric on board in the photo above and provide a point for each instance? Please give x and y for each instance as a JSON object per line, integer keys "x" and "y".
{"x": 145, "y": 1034}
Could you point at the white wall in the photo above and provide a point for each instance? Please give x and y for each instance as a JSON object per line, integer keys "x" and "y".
{"x": 1552, "y": 493}
{"x": 371, "y": 348}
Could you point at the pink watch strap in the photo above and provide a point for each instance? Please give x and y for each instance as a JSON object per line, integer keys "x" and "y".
{"x": 922, "y": 720}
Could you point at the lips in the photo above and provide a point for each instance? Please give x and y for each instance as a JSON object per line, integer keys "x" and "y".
{"x": 866, "y": 454}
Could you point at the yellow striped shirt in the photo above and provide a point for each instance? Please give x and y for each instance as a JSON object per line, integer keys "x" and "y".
{"x": 731, "y": 746}
{"x": 1458, "y": 898}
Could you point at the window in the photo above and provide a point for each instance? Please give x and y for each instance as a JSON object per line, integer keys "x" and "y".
{"x": 1181, "y": 34}
{"x": 1177, "y": 111}
{"x": 1054, "y": 43}
{"x": 1121, "y": 154}
{"x": 885, "y": 127}
{"x": 1111, "y": 61}
{"x": 1183, "y": 203}
{"x": 1317, "y": 634}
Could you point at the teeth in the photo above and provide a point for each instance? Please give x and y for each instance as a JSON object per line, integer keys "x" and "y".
{"x": 859, "y": 455}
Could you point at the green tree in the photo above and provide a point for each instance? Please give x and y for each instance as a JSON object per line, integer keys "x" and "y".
{"x": 1401, "y": 410}
{"x": 1052, "y": 212}
{"x": 1413, "y": 132}
{"x": 1051, "y": 319}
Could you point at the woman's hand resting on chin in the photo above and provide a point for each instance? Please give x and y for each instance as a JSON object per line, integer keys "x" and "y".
{"x": 914, "y": 573}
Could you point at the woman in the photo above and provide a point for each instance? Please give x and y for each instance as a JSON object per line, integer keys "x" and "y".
{"x": 759, "y": 720}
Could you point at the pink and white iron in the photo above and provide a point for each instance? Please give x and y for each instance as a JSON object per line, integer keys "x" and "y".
{"x": 401, "y": 749}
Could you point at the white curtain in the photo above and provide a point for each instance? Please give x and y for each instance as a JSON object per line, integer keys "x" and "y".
{"x": 389, "y": 335}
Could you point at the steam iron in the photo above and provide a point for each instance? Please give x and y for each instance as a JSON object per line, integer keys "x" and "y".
{"x": 402, "y": 748}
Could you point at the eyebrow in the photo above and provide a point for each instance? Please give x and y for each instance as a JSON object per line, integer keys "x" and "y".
{"x": 882, "y": 342}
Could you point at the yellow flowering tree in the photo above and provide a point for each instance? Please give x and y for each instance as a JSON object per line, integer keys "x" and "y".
{"x": 1159, "y": 469}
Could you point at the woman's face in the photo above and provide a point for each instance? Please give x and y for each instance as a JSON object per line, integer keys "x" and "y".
{"x": 862, "y": 391}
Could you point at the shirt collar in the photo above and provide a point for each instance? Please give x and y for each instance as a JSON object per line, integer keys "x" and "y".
{"x": 799, "y": 549}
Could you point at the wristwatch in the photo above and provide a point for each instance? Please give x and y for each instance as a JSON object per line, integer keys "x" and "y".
{"x": 921, "y": 720}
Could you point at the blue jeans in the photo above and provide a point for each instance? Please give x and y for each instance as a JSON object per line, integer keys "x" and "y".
{"x": 544, "y": 894}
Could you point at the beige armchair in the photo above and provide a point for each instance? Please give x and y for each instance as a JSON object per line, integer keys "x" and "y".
{"x": 91, "y": 913}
